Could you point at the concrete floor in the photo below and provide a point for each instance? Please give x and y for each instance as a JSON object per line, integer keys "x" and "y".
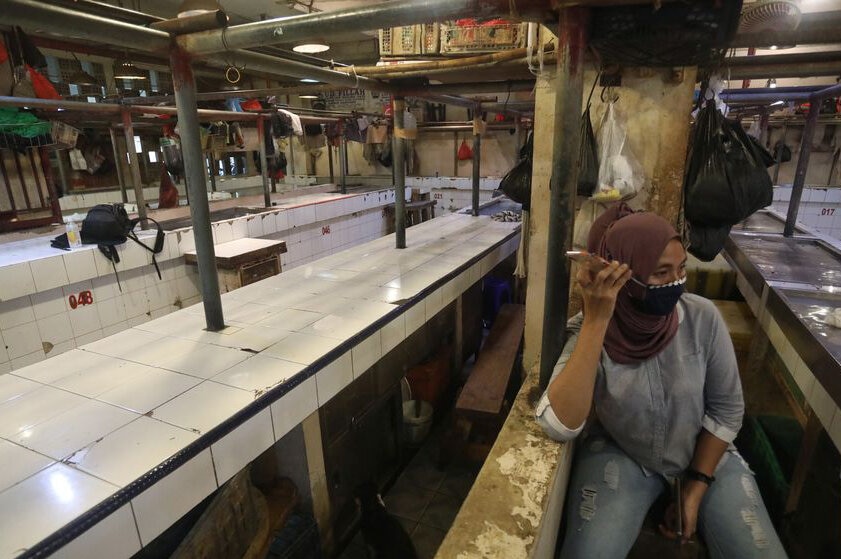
{"x": 424, "y": 499}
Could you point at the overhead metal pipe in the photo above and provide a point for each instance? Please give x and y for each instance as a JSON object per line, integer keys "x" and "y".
{"x": 361, "y": 18}
{"x": 815, "y": 102}
{"x": 809, "y": 35}
{"x": 572, "y": 28}
{"x": 757, "y": 98}
{"x": 57, "y": 19}
{"x": 799, "y": 70}
{"x": 188, "y": 119}
{"x": 807, "y": 89}
{"x": 473, "y": 87}
{"x": 36, "y": 15}
{"x": 109, "y": 11}
{"x": 192, "y": 24}
{"x": 794, "y": 58}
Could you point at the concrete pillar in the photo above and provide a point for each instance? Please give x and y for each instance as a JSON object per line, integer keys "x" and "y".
{"x": 656, "y": 104}
{"x": 544, "y": 139}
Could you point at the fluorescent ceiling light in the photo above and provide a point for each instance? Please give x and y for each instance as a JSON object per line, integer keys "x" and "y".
{"x": 308, "y": 96}
{"x": 308, "y": 80}
{"x": 311, "y": 48}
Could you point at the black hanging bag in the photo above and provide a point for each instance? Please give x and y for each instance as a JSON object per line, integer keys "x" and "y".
{"x": 588, "y": 157}
{"x": 516, "y": 184}
{"x": 108, "y": 225}
{"x": 588, "y": 151}
{"x": 726, "y": 181}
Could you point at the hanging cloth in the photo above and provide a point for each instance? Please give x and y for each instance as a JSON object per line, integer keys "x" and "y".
{"x": 297, "y": 127}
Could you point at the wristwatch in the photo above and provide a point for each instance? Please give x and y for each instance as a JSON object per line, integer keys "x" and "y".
{"x": 695, "y": 475}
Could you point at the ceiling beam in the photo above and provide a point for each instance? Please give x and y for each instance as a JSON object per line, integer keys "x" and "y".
{"x": 360, "y": 18}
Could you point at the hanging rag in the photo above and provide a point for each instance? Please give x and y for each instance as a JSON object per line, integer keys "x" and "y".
{"x": 363, "y": 123}
{"x": 377, "y": 134}
{"x": 297, "y": 127}
{"x": 520, "y": 271}
{"x": 167, "y": 193}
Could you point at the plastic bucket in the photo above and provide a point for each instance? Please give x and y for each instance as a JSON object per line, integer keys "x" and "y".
{"x": 416, "y": 426}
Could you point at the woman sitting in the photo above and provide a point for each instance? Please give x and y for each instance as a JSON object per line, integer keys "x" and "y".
{"x": 657, "y": 368}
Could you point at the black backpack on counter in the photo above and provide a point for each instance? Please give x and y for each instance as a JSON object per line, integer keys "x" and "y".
{"x": 108, "y": 225}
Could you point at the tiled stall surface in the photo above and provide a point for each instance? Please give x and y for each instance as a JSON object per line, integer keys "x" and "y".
{"x": 52, "y": 301}
{"x": 819, "y": 400}
{"x": 105, "y": 446}
{"x": 820, "y": 208}
{"x": 453, "y": 193}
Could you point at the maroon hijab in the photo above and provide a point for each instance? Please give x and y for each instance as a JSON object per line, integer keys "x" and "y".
{"x": 636, "y": 239}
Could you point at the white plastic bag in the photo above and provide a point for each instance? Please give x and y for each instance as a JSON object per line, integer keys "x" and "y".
{"x": 588, "y": 213}
{"x": 620, "y": 174}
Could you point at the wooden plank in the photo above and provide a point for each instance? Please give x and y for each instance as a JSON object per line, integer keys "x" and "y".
{"x": 7, "y": 200}
{"x": 25, "y": 180}
{"x": 484, "y": 391}
{"x": 18, "y": 195}
{"x": 38, "y": 176}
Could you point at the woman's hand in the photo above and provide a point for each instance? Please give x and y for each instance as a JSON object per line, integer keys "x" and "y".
{"x": 599, "y": 290}
{"x": 691, "y": 495}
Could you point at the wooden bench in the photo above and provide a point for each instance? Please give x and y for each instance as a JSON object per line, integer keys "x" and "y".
{"x": 483, "y": 403}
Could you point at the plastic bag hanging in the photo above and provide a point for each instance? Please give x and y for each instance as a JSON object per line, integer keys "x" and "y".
{"x": 588, "y": 157}
{"x": 726, "y": 180}
{"x": 465, "y": 152}
{"x": 516, "y": 184}
{"x": 620, "y": 174}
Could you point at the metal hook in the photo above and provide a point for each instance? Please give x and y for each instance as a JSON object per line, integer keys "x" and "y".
{"x": 612, "y": 98}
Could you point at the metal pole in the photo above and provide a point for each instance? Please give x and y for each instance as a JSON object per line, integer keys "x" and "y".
{"x": 188, "y": 123}
{"x": 477, "y": 161}
{"x": 139, "y": 199}
{"x": 211, "y": 165}
{"x": 347, "y": 156}
{"x": 117, "y": 163}
{"x": 343, "y": 164}
{"x": 292, "y": 158}
{"x": 802, "y": 167}
{"x": 815, "y": 101}
{"x": 782, "y": 143}
{"x": 330, "y": 161}
{"x": 399, "y": 162}
{"x": 571, "y": 46}
{"x": 264, "y": 161}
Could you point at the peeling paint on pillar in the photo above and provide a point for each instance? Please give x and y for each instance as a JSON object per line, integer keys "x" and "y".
{"x": 505, "y": 513}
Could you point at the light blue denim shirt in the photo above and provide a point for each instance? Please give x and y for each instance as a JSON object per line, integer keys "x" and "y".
{"x": 654, "y": 410}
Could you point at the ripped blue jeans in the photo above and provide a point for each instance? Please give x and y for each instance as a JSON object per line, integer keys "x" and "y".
{"x": 609, "y": 496}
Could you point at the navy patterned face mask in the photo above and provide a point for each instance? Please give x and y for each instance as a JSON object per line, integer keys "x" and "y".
{"x": 660, "y": 300}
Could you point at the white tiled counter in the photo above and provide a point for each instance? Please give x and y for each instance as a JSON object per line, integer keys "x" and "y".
{"x": 38, "y": 283}
{"x": 107, "y": 445}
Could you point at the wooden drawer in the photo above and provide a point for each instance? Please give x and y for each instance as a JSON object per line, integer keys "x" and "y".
{"x": 256, "y": 271}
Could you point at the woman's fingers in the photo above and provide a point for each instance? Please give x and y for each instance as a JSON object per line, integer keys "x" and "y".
{"x": 614, "y": 275}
